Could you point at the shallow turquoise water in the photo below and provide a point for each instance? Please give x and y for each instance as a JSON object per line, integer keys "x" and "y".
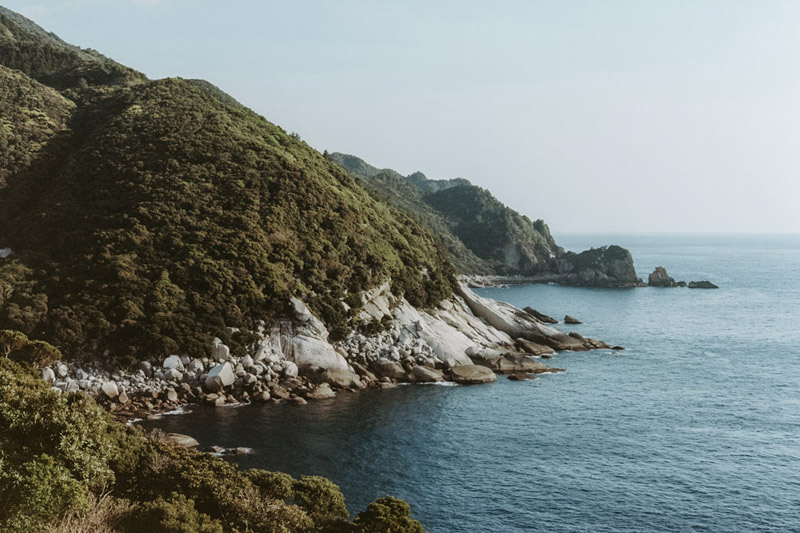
{"x": 696, "y": 426}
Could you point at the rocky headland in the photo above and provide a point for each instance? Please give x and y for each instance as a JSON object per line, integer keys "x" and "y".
{"x": 467, "y": 339}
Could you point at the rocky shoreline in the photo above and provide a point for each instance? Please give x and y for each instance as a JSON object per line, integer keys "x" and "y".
{"x": 467, "y": 340}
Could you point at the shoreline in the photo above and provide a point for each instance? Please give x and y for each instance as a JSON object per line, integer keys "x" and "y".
{"x": 466, "y": 340}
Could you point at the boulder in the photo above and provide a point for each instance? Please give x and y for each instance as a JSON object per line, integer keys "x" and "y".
{"x": 506, "y": 362}
{"x": 48, "y": 375}
{"x": 424, "y": 374}
{"x": 123, "y": 398}
{"x": 472, "y": 374}
{"x": 196, "y": 366}
{"x": 219, "y": 377}
{"x": 184, "y": 441}
{"x": 341, "y": 378}
{"x": 702, "y": 285}
{"x": 321, "y": 392}
{"x": 219, "y": 351}
{"x": 290, "y": 370}
{"x": 313, "y": 351}
{"x": 62, "y": 370}
{"x": 247, "y": 361}
{"x": 534, "y": 348}
{"x": 386, "y": 368}
{"x": 173, "y": 375}
{"x": 541, "y": 317}
{"x": 173, "y": 362}
{"x": 146, "y": 368}
{"x": 110, "y": 389}
{"x": 521, "y": 377}
{"x": 660, "y": 278}
{"x": 571, "y": 320}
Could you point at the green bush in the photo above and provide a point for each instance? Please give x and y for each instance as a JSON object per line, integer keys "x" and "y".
{"x": 321, "y": 499}
{"x": 387, "y": 515}
{"x": 174, "y": 515}
{"x": 277, "y": 485}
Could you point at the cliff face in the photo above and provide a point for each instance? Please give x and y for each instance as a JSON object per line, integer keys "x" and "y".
{"x": 485, "y": 237}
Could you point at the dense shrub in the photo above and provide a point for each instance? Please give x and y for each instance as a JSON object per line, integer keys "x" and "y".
{"x": 387, "y": 515}
{"x": 321, "y": 499}
{"x": 272, "y": 484}
{"x": 174, "y": 515}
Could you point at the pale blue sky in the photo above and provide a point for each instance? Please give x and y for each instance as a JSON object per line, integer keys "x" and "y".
{"x": 596, "y": 116}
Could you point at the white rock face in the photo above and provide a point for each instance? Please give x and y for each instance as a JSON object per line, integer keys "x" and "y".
{"x": 173, "y": 362}
{"x": 110, "y": 389}
{"x": 62, "y": 370}
{"x": 311, "y": 351}
{"x": 219, "y": 377}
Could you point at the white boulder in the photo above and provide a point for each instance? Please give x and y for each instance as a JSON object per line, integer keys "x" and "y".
{"x": 219, "y": 377}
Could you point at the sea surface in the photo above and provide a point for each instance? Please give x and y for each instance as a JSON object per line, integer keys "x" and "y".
{"x": 694, "y": 427}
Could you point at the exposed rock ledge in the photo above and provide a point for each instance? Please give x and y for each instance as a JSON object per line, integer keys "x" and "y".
{"x": 294, "y": 361}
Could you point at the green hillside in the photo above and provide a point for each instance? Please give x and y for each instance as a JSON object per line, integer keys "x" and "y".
{"x": 483, "y": 236}
{"x": 147, "y": 216}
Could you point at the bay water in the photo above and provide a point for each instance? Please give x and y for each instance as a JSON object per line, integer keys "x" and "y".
{"x": 695, "y": 426}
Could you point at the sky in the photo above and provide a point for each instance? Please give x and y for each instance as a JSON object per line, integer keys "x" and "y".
{"x": 597, "y": 116}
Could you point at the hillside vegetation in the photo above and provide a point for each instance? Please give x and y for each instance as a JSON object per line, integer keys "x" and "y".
{"x": 145, "y": 217}
{"x": 485, "y": 237}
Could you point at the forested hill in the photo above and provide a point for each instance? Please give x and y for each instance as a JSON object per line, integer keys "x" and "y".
{"x": 148, "y": 216}
{"x": 484, "y": 236}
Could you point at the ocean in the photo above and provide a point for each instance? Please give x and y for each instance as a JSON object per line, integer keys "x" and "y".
{"x": 695, "y": 426}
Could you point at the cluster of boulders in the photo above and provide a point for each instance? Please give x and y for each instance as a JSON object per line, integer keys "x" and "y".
{"x": 661, "y": 278}
{"x": 467, "y": 340}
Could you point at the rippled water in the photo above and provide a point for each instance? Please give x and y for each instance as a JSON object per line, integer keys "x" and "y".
{"x": 695, "y": 427}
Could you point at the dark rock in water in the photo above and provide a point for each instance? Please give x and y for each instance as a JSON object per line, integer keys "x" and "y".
{"x": 541, "y": 317}
{"x": 702, "y": 285}
{"x": 681, "y": 284}
{"x": 571, "y": 320}
{"x": 660, "y": 278}
{"x": 617, "y": 348}
{"x": 521, "y": 377}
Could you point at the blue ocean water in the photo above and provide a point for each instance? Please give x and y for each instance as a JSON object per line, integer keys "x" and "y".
{"x": 696, "y": 426}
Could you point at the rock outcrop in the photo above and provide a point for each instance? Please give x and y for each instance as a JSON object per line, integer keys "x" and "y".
{"x": 702, "y": 285}
{"x": 466, "y": 339}
{"x": 660, "y": 278}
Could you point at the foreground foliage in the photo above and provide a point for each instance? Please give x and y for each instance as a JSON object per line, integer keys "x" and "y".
{"x": 64, "y": 461}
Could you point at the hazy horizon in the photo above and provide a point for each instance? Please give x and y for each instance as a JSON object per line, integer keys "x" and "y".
{"x": 612, "y": 117}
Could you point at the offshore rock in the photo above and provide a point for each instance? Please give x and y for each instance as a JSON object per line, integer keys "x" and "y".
{"x": 702, "y": 285}
{"x": 571, "y": 320}
{"x": 660, "y": 278}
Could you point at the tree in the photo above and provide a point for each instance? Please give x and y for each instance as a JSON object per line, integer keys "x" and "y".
{"x": 11, "y": 340}
{"x": 386, "y": 515}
